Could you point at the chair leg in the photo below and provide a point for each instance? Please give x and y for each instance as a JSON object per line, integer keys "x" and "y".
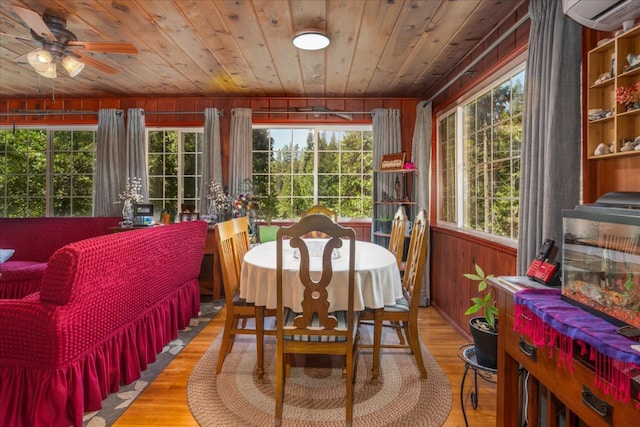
{"x": 226, "y": 341}
{"x": 397, "y": 327}
{"x": 349, "y": 380}
{"x": 377, "y": 338}
{"x": 280, "y": 374}
{"x": 260, "y": 341}
{"x": 414, "y": 341}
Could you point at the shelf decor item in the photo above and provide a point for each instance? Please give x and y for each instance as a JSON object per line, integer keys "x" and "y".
{"x": 393, "y": 161}
{"x": 218, "y": 202}
{"x": 129, "y": 196}
{"x": 629, "y": 96}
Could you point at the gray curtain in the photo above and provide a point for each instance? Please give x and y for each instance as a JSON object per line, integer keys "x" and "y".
{"x": 551, "y": 138}
{"x": 111, "y": 159}
{"x": 387, "y": 139}
{"x": 421, "y": 158}
{"x": 137, "y": 151}
{"x": 211, "y": 154}
{"x": 240, "y": 151}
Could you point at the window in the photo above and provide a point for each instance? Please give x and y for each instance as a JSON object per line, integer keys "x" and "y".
{"x": 479, "y": 145}
{"x": 46, "y": 172}
{"x": 331, "y": 166}
{"x": 175, "y": 168}
{"x": 73, "y": 155}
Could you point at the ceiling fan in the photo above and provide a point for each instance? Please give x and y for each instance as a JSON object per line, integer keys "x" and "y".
{"x": 57, "y": 43}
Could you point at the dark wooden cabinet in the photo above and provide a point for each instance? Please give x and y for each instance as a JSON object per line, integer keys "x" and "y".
{"x": 555, "y": 396}
{"x": 210, "y": 276}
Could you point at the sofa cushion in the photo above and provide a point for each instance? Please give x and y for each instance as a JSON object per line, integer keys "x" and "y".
{"x": 36, "y": 239}
{"x": 20, "y": 278}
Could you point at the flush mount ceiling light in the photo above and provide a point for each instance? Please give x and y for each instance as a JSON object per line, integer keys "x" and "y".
{"x": 311, "y": 40}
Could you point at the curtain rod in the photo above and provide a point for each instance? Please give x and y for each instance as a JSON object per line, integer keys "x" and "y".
{"x": 308, "y": 112}
{"x": 484, "y": 53}
{"x": 86, "y": 112}
{"x": 47, "y": 112}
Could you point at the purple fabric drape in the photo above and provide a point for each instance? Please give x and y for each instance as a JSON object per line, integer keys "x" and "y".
{"x": 541, "y": 315}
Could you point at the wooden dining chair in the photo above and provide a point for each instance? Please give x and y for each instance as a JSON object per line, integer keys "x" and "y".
{"x": 241, "y": 233}
{"x": 238, "y": 309}
{"x": 267, "y": 233}
{"x": 321, "y": 209}
{"x": 396, "y": 240}
{"x": 318, "y": 329}
{"x": 403, "y": 315}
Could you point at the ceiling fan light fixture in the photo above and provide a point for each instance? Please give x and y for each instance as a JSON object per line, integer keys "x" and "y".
{"x": 50, "y": 72}
{"x": 311, "y": 40}
{"x": 40, "y": 60}
{"x": 72, "y": 65}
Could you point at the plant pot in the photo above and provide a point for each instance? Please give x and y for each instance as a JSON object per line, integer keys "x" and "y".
{"x": 384, "y": 226}
{"x": 485, "y": 342}
{"x": 166, "y": 218}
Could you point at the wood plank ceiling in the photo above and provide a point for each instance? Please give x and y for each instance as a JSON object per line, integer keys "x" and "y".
{"x": 242, "y": 48}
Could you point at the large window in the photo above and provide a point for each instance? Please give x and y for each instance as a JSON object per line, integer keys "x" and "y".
{"x": 175, "y": 168}
{"x": 46, "y": 172}
{"x": 479, "y": 159}
{"x": 331, "y": 166}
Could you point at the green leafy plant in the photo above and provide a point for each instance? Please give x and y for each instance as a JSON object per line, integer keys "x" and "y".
{"x": 269, "y": 206}
{"x": 485, "y": 303}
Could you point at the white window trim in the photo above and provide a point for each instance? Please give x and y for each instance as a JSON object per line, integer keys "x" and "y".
{"x": 514, "y": 67}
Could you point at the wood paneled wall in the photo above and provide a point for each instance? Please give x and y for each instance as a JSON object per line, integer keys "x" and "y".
{"x": 454, "y": 254}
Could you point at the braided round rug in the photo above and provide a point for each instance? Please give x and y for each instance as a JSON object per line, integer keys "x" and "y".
{"x": 315, "y": 391}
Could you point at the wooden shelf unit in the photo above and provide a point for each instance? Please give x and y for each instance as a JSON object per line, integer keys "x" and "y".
{"x": 389, "y": 207}
{"x": 622, "y": 125}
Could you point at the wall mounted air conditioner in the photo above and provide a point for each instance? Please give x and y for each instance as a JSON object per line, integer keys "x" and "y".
{"x": 603, "y": 15}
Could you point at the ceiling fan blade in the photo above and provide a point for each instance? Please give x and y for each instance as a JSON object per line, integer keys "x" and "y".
{"x": 105, "y": 47}
{"x": 101, "y": 66}
{"x": 34, "y": 21}
{"x": 21, "y": 38}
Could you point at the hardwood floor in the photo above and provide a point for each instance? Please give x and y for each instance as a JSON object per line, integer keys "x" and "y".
{"x": 164, "y": 402}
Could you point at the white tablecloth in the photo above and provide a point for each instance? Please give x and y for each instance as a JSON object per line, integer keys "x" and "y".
{"x": 377, "y": 277}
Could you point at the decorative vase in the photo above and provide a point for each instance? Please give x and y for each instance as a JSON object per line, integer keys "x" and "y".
{"x": 127, "y": 213}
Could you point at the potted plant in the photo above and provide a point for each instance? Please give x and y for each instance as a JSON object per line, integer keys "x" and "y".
{"x": 384, "y": 224}
{"x": 165, "y": 216}
{"x": 484, "y": 329}
{"x": 269, "y": 207}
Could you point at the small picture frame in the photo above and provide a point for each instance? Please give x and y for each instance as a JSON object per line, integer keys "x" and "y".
{"x": 142, "y": 209}
{"x": 393, "y": 161}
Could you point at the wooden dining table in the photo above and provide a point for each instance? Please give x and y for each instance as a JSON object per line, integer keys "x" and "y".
{"x": 377, "y": 277}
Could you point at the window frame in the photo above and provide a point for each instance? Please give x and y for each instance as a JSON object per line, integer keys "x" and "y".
{"x": 49, "y": 156}
{"x": 508, "y": 71}
{"x": 317, "y": 128}
{"x": 180, "y": 166}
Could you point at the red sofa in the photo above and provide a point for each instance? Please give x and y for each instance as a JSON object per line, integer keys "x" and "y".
{"x": 34, "y": 241}
{"x": 106, "y": 306}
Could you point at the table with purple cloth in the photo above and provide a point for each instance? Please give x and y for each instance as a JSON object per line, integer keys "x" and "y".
{"x": 548, "y": 321}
